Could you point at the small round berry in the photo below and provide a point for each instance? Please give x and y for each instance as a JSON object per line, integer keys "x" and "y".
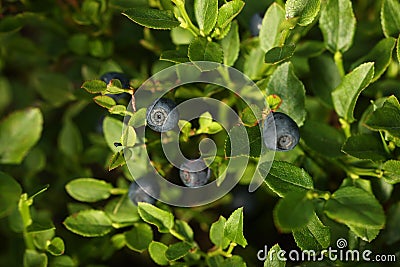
{"x": 107, "y": 77}
{"x": 194, "y": 173}
{"x": 287, "y": 132}
{"x": 138, "y": 193}
{"x": 255, "y": 24}
{"x": 162, "y": 116}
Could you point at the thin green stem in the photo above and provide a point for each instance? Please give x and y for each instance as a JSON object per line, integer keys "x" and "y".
{"x": 339, "y": 62}
{"x": 23, "y": 207}
{"x": 346, "y": 127}
{"x": 188, "y": 24}
{"x": 385, "y": 146}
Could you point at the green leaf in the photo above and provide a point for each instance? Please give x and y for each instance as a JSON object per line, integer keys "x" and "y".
{"x": 386, "y": 118}
{"x": 164, "y": 220}
{"x": 184, "y": 229}
{"x": 119, "y": 110}
{"x": 233, "y": 229}
{"x": 250, "y": 147}
{"x": 325, "y": 78}
{"x": 104, "y": 101}
{"x": 5, "y": 92}
{"x": 38, "y": 227}
{"x": 231, "y": 45}
{"x": 117, "y": 160}
{"x": 207, "y": 125}
{"x": 228, "y": 11}
{"x": 274, "y": 102}
{"x": 112, "y": 132}
{"x": 122, "y": 210}
{"x": 128, "y": 137}
{"x": 366, "y": 234}
{"x": 19, "y": 132}
{"x": 365, "y": 146}
{"x": 234, "y": 261}
{"x": 62, "y": 261}
{"x": 139, "y": 237}
{"x": 138, "y": 118}
{"x": 252, "y": 114}
{"x": 313, "y": 236}
{"x": 94, "y": 86}
{"x": 157, "y": 253}
{"x": 206, "y": 12}
{"x": 306, "y": 10}
{"x": 175, "y": 56}
{"x": 356, "y": 207}
{"x": 181, "y": 36}
{"x": 200, "y": 49}
{"x": 152, "y": 18}
{"x": 391, "y": 171}
{"x": 56, "y": 247}
{"x": 390, "y": 19}
{"x": 322, "y": 138}
{"x": 177, "y": 251}
{"x": 279, "y": 54}
{"x": 294, "y": 211}
{"x": 398, "y": 48}
{"x": 70, "y": 139}
{"x": 270, "y": 31}
{"x": 55, "y": 88}
{"x": 284, "y": 178}
{"x": 89, "y": 189}
{"x": 272, "y": 258}
{"x": 33, "y": 258}
{"x": 217, "y": 236}
{"x": 215, "y": 261}
{"x": 346, "y": 94}
{"x": 338, "y": 24}
{"x": 89, "y": 223}
{"x": 290, "y": 89}
{"x": 254, "y": 65}
{"x": 10, "y": 192}
{"x": 381, "y": 55}
{"x": 10, "y": 24}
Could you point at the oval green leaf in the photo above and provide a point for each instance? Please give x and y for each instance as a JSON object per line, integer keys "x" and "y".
{"x": 89, "y": 223}
{"x": 89, "y": 189}
{"x": 152, "y": 18}
{"x": 19, "y": 132}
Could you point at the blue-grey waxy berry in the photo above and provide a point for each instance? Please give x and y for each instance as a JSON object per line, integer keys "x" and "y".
{"x": 161, "y": 115}
{"x": 194, "y": 173}
{"x": 255, "y": 24}
{"x": 287, "y": 132}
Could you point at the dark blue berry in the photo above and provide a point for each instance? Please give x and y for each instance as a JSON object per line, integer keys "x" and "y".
{"x": 107, "y": 77}
{"x": 287, "y": 132}
{"x": 255, "y": 24}
{"x": 161, "y": 115}
{"x": 138, "y": 193}
{"x": 194, "y": 173}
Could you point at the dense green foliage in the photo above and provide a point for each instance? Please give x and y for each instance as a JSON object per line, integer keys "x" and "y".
{"x": 331, "y": 65}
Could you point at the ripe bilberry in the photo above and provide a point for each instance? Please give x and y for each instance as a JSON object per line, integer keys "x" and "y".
{"x": 138, "y": 193}
{"x": 287, "y": 132}
{"x": 161, "y": 115}
{"x": 194, "y": 173}
{"x": 255, "y": 23}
